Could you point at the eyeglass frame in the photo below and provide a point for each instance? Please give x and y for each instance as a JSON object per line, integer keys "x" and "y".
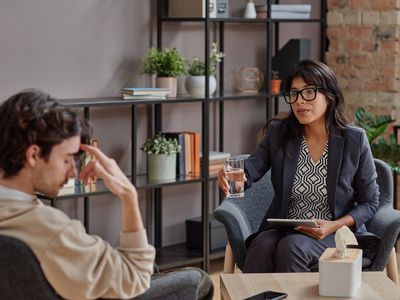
{"x": 316, "y": 89}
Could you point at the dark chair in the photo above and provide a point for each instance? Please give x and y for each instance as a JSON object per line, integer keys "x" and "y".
{"x": 241, "y": 217}
{"x": 20, "y": 274}
{"x": 22, "y": 278}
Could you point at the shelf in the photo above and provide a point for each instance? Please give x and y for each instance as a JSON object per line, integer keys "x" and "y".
{"x": 143, "y": 182}
{"x": 99, "y": 188}
{"x": 116, "y": 101}
{"x": 240, "y": 20}
{"x": 178, "y": 255}
{"x": 93, "y": 189}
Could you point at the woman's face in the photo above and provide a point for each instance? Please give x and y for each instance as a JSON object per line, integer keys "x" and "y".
{"x": 308, "y": 112}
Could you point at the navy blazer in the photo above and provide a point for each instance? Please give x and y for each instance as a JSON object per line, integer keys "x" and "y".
{"x": 351, "y": 179}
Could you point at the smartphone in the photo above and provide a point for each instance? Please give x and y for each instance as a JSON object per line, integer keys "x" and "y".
{"x": 268, "y": 295}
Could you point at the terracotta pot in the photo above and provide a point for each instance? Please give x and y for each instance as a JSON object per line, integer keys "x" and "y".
{"x": 275, "y": 86}
{"x": 169, "y": 83}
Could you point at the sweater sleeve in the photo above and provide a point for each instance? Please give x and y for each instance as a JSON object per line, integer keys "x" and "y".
{"x": 82, "y": 266}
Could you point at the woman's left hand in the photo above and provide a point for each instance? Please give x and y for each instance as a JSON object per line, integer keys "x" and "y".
{"x": 325, "y": 228}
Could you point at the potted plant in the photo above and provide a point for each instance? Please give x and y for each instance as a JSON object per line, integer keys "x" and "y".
{"x": 375, "y": 126}
{"x": 275, "y": 83}
{"x": 167, "y": 65}
{"x": 161, "y": 157}
{"x": 196, "y": 81}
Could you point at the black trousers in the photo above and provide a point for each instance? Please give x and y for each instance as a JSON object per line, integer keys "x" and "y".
{"x": 274, "y": 251}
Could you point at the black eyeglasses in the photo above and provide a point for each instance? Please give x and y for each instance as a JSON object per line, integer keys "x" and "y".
{"x": 308, "y": 94}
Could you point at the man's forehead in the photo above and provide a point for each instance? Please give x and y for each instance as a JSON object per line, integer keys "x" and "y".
{"x": 69, "y": 146}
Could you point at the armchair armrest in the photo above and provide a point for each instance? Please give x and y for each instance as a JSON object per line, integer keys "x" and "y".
{"x": 386, "y": 225}
{"x": 237, "y": 228}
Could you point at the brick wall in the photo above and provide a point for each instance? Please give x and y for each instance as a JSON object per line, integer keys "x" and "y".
{"x": 364, "y": 52}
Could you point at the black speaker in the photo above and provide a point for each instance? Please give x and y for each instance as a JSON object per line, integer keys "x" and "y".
{"x": 287, "y": 57}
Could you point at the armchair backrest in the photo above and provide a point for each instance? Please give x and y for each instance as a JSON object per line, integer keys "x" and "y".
{"x": 385, "y": 182}
{"x": 20, "y": 274}
{"x": 242, "y": 216}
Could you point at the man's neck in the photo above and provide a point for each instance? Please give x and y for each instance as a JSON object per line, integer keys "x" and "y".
{"x": 18, "y": 182}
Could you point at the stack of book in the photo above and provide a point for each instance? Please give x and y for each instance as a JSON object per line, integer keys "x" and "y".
{"x": 290, "y": 11}
{"x": 144, "y": 93}
{"x": 217, "y": 161}
{"x": 188, "y": 159}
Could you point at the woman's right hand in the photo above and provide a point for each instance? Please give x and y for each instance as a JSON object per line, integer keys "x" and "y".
{"x": 222, "y": 180}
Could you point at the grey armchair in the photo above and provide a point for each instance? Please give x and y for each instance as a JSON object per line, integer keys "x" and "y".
{"x": 22, "y": 278}
{"x": 241, "y": 217}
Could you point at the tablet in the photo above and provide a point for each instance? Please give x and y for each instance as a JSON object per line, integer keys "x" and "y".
{"x": 291, "y": 223}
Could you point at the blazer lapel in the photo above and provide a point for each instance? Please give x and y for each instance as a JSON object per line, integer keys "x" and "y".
{"x": 335, "y": 154}
{"x": 289, "y": 170}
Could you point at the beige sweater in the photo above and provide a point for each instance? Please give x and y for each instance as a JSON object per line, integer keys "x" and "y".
{"x": 77, "y": 265}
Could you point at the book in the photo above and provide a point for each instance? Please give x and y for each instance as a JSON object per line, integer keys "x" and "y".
{"x": 145, "y": 91}
{"x": 143, "y": 97}
{"x": 216, "y": 155}
{"x": 302, "y": 8}
{"x": 289, "y": 15}
{"x": 188, "y": 153}
{"x": 180, "y": 158}
{"x": 195, "y": 152}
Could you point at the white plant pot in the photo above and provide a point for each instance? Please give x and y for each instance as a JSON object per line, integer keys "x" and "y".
{"x": 161, "y": 166}
{"x": 196, "y": 85}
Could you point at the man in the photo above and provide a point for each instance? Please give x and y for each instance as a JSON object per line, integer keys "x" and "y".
{"x": 40, "y": 141}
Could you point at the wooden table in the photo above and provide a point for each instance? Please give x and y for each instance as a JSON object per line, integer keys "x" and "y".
{"x": 302, "y": 286}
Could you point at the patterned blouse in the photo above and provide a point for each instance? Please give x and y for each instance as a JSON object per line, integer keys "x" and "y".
{"x": 309, "y": 197}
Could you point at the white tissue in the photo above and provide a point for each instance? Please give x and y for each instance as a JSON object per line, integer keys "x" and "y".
{"x": 343, "y": 237}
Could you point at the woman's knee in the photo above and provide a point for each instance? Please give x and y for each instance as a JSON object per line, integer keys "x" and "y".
{"x": 292, "y": 243}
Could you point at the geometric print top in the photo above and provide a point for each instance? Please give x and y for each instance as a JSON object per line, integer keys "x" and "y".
{"x": 309, "y": 198}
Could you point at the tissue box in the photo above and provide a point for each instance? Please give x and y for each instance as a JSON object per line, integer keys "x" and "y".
{"x": 340, "y": 277}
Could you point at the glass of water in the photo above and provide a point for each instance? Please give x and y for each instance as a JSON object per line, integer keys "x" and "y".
{"x": 235, "y": 170}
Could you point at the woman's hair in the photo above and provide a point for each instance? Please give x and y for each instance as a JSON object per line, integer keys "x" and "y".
{"x": 34, "y": 118}
{"x": 318, "y": 74}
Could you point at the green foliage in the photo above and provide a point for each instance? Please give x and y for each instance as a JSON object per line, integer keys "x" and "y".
{"x": 167, "y": 63}
{"x": 197, "y": 66}
{"x": 375, "y": 126}
{"x": 159, "y": 144}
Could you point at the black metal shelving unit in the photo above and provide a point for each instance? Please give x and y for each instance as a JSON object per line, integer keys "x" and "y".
{"x": 178, "y": 255}
{"x": 272, "y": 101}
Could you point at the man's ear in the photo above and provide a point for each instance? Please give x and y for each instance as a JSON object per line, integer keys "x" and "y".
{"x": 32, "y": 155}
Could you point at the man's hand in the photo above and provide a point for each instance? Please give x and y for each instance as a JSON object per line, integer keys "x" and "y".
{"x": 107, "y": 169}
{"x": 116, "y": 181}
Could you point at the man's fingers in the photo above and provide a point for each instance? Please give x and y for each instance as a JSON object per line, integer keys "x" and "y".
{"x": 96, "y": 152}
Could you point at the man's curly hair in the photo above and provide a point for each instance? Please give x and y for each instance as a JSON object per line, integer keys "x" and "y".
{"x": 30, "y": 118}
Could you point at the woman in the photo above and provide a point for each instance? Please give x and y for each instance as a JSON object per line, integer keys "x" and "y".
{"x": 321, "y": 168}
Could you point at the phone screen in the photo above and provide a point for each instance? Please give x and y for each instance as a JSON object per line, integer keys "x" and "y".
{"x": 268, "y": 295}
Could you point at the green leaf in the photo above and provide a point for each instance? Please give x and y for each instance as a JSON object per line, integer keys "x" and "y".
{"x": 375, "y": 126}
{"x": 167, "y": 63}
{"x": 159, "y": 144}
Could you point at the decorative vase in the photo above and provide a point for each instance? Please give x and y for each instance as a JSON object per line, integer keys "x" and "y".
{"x": 248, "y": 80}
{"x": 196, "y": 85}
{"x": 275, "y": 86}
{"x": 169, "y": 83}
{"x": 250, "y": 10}
{"x": 161, "y": 166}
